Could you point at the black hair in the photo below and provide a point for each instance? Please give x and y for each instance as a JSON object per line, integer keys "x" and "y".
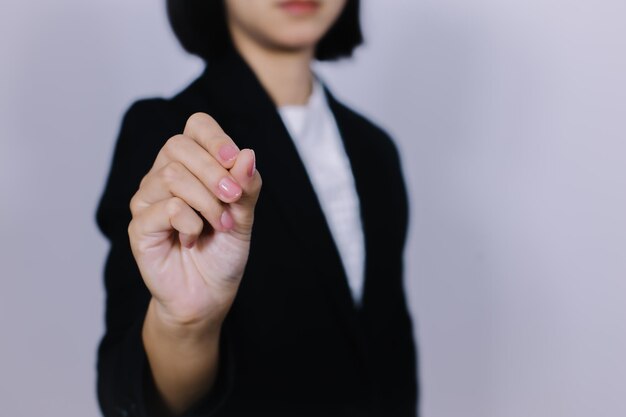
{"x": 201, "y": 28}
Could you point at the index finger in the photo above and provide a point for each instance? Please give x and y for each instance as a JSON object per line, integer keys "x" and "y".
{"x": 203, "y": 129}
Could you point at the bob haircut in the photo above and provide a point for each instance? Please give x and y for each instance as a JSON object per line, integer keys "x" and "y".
{"x": 201, "y": 28}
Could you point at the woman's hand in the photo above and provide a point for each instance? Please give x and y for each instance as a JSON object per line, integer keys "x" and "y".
{"x": 192, "y": 222}
{"x": 190, "y": 235}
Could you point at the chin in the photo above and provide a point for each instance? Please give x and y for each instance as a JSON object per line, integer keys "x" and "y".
{"x": 302, "y": 38}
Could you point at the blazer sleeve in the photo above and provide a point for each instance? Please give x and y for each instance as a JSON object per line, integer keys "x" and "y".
{"x": 124, "y": 381}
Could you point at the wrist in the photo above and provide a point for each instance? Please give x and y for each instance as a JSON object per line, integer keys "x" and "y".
{"x": 183, "y": 359}
{"x": 161, "y": 322}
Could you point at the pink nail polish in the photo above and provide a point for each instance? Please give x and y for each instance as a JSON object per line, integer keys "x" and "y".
{"x": 253, "y": 165}
{"x": 229, "y": 188}
{"x": 227, "y": 220}
{"x": 186, "y": 240}
{"x": 228, "y": 152}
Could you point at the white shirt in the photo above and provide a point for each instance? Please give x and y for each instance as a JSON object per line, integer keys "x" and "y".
{"x": 314, "y": 131}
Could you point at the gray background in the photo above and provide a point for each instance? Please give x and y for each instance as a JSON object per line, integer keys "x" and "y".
{"x": 511, "y": 120}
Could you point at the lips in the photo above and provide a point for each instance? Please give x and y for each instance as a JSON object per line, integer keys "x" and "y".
{"x": 299, "y": 7}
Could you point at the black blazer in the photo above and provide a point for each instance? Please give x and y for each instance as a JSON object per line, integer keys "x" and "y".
{"x": 294, "y": 344}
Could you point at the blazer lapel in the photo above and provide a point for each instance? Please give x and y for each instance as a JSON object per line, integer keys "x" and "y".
{"x": 252, "y": 120}
{"x": 360, "y": 156}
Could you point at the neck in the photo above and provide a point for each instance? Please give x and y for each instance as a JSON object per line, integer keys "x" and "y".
{"x": 285, "y": 75}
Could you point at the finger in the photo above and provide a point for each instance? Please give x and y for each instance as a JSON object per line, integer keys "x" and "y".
{"x": 246, "y": 174}
{"x": 175, "y": 180}
{"x": 207, "y": 133}
{"x": 199, "y": 162}
{"x": 156, "y": 224}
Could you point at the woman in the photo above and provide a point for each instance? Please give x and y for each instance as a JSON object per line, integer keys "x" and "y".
{"x": 306, "y": 314}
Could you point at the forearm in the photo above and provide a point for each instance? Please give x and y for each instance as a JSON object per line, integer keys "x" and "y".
{"x": 183, "y": 361}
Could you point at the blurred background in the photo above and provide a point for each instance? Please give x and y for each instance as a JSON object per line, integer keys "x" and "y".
{"x": 511, "y": 119}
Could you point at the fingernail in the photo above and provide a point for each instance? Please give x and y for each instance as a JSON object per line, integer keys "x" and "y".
{"x": 186, "y": 240}
{"x": 227, "y": 220}
{"x": 228, "y": 152}
{"x": 253, "y": 165}
{"x": 229, "y": 188}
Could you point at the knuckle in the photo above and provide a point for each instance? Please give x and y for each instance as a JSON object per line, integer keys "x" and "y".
{"x": 256, "y": 184}
{"x": 142, "y": 183}
{"x": 172, "y": 172}
{"x": 203, "y": 128}
{"x": 173, "y": 144}
{"x": 134, "y": 205}
{"x": 132, "y": 226}
{"x": 199, "y": 119}
{"x": 174, "y": 206}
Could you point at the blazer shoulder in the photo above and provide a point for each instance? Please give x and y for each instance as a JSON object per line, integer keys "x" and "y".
{"x": 151, "y": 114}
{"x": 145, "y": 127}
{"x": 169, "y": 113}
{"x": 145, "y": 108}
